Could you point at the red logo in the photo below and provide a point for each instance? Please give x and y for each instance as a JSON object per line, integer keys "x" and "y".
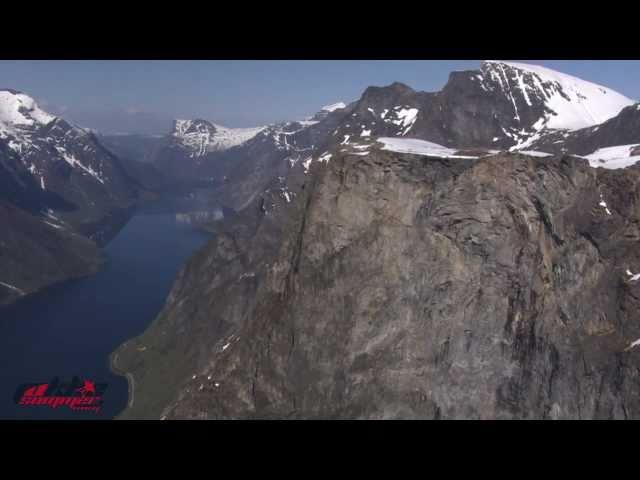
{"x": 88, "y": 387}
{"x": 80, "y": 395}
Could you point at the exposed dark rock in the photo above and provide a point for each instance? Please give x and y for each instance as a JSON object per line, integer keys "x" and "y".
{"x": 499, "y": 106}
{"x": 35, "y": 254}
{"x": 352, "y": 282}
{"x": 400, "y": 286}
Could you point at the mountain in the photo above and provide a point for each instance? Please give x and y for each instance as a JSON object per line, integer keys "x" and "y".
{"x": 622, "y": 129}
{"x": 140, "y": 148}
{"x": 259, "y": 162}
{"x": 564, "y": 101}
{"x": 61, "y": 193}
{"x": 326, "y": 110}
{"x": 395, "y": 285}
{"x": 237, "y": 163}
{"x": 200, "y": 136}
{"x": 37, "y": 251}
{"x": 85, "y": 181}
{"x": 502, "y": 105}
{"x": 194, "y": 147}
{"x": 416, "y": 255}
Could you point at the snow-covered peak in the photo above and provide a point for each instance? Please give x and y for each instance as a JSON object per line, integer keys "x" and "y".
{"x": 333, "y": 106}
{"x": 569, "y": 102}
{"x": 20, "y": 110}
{"x": 201, "y": 136}
{"x": 324, "y": 112}
{"x": 230, "y": 137}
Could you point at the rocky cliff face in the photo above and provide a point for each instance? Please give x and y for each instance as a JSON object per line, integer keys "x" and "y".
{"x": 389, "y": 285}
{"x": 388, "y": 259}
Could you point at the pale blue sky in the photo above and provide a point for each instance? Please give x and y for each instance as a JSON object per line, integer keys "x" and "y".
{"x": 144, "y": 96}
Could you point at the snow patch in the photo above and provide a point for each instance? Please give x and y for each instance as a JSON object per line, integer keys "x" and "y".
{"x": 633, "y": 344}
{"x": 419, "y": 147}
{"x": 11, "y": 287}
{"x": 405, "y": 118}
{"x": 52, "y": 224}
{"x": 333, "y": 107}
{"x": 613, "y": 157}
{"x": 306, "y": 163}
{"x": 74, "y": 162}
{"x": 634, "y": 277}
{"x": 293, "y": 161}
{"x": 325, "y": 157}
{"x": 603, "y": 204}
{"x": 535, "y": 153}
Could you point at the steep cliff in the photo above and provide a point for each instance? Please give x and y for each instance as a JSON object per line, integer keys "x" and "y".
{"x": 35, "y": 253}
{"x": 376, "y": 284}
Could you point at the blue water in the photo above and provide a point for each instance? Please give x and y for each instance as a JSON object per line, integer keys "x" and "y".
{"x": 71, "y": 328}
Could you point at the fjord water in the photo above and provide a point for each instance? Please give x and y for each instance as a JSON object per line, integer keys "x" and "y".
{"x": 71, "y": 329}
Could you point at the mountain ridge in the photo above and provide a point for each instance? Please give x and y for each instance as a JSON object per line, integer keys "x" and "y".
{"x": 63, "y": 193}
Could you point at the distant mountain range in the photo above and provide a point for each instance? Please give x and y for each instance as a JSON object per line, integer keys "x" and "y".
{"x": 50, "y": 168}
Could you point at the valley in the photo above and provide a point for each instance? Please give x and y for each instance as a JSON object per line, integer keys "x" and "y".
{"x": 466, "y": 253}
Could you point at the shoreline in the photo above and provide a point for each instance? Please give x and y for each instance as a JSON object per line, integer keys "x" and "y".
{"x": 93, "y": 267}
{"x": 26, "y": 295}
{"x": 113, "y": 366}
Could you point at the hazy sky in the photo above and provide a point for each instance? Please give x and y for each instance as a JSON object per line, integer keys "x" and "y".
{"x": 144, "y": 96}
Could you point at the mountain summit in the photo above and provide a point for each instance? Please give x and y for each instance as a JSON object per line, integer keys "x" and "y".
{"x": 567, "y": 102}
{"x": 20, "y": 110}
{"x": 503, "y": 104}
{"x": 199, "y": 137}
